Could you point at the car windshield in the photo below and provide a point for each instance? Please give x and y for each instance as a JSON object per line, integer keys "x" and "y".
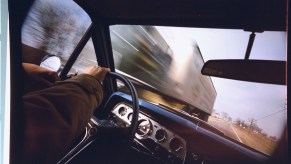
{"x": 166, "y": 62}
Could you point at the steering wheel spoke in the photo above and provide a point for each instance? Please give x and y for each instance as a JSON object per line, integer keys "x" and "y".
{"x": 106, "y": 127}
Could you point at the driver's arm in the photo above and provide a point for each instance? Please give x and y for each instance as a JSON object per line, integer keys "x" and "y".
{"x": 55, "y": 116}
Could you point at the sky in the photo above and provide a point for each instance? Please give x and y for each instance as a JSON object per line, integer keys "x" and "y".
{"x": 243, "y": 100}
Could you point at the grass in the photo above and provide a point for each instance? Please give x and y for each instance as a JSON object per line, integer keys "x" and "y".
{"x": 255, "y": 140}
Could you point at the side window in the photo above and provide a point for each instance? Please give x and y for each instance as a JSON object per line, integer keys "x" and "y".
{"x": 55, "y": 28}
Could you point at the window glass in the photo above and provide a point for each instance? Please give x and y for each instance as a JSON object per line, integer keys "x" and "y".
{"x": 55, "y": 28}
{"x": 86, "y": 59}
{"x": 165, "y": 64}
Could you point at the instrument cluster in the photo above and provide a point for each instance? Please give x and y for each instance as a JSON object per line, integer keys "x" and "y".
{"x": 150, "y": 129}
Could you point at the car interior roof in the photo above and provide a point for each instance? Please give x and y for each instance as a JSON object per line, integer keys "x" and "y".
{"x": 250, "y": 15}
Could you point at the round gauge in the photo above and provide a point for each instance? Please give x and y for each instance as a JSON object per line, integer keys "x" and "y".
{"x": 122, "y": 111}
{"x": 144, "y": 128}
{"x": 176, "y": 144}
{"x": 161, "y": 135}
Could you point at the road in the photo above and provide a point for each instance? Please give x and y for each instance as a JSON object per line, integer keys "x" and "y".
{"x": 244, "y": 136}
{"x": 225, "y": 127}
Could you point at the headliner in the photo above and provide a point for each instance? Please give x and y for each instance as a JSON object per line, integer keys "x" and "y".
{"x": 250, "y": 15}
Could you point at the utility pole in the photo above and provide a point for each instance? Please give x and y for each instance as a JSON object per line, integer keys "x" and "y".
{"x": 251, "y": 125}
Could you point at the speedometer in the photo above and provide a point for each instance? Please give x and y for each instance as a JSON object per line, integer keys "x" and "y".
{"x": 144, "y": 128}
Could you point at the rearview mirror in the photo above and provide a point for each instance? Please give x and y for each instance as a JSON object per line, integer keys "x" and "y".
{"x": 261, "y": 71}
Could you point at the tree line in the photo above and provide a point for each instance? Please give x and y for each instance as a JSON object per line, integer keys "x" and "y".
{"x": 250, "y": 124}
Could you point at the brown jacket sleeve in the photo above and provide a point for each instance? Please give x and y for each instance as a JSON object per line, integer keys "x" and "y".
{"x": 55, "y": 116}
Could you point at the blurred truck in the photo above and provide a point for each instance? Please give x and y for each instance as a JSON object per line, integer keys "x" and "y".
{"x": 142, "y": 53}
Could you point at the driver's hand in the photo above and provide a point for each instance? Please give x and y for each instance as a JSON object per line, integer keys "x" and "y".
{"x": 96, "y": 71}
{"x": 43, "y": 76}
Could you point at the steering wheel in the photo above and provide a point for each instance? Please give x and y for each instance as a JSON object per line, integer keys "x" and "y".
{"x": 135, "y": 104}
{"x": 97, "y": 127}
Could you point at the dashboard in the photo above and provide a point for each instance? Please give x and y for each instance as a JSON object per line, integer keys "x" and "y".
{"x": 173, "y": 138}
{"x": 163, "y": 136}
{"x": 155, "y": 137}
